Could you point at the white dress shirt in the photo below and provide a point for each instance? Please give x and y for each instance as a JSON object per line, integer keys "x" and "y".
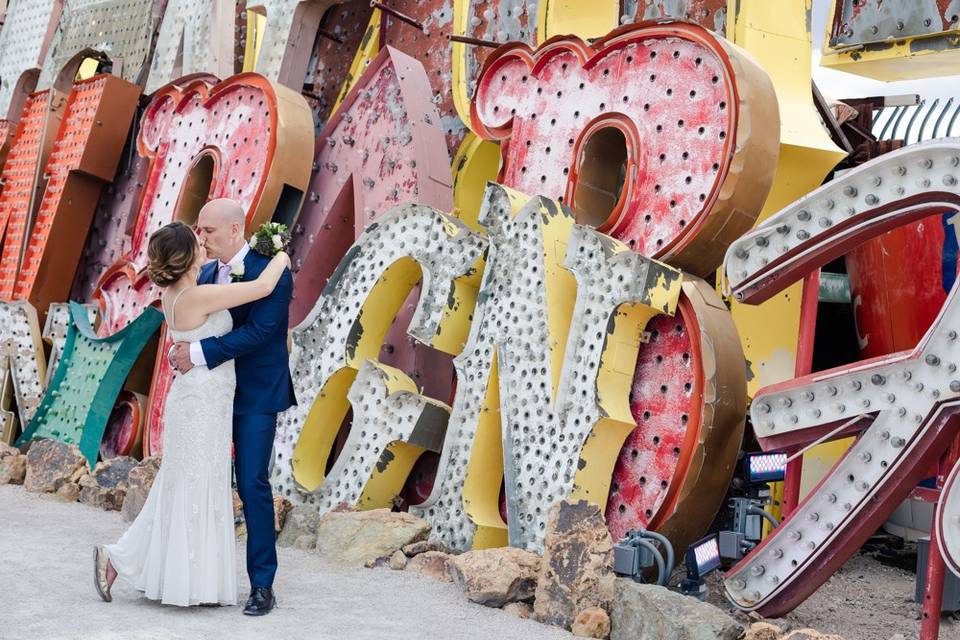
{"x": 196, "y": 351}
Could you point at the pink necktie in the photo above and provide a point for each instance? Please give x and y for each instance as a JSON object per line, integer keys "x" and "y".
{"x": 223, "y": 274}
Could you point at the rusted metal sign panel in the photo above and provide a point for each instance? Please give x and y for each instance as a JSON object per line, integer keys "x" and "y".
{"x": 379, "y": 150}
{"x": 710, "y": 14}
{"x": 113, "y": 222}
{"x": 485, "y": 22}
{"x": 344, "y": 31}
{"x": 862, "y": 21}
{"x": 288, "y": 38}
{"x": 893, "y": 40}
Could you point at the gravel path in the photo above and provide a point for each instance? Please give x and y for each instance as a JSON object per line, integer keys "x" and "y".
{"x": 46, "y": 547}
{"x": 864, "y": 600}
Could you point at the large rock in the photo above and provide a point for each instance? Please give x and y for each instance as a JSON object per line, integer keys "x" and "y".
{"x": 300, "y": 521}
{"x": 763, "y": 631}
{"x": 520, "y": 609}
{"x": 50, "y": 464}
{"x": 106, "y": 487}
{"x": 358, "y": 537}
{"x": 239, "y": 522}
{"x": 237, "y": 508}
{"x": 306, "y": 542}
{"x": 13, "y": 468}
{"x": 382, "y": 561}
{"x": 494, "y": 577}
{"x": 433, "y": 564}
{"x": 423, "y": 546}
{"x": 591, "y": 623}
{"x": 139, "y": 482}
{"x": 577, "y": 569}
{"x": 651, "y": 612}
{"x": 7, "y": 450}
{"x": 68, "y": 492}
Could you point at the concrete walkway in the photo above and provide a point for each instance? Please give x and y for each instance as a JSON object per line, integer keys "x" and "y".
{"x": 47, "y": 589}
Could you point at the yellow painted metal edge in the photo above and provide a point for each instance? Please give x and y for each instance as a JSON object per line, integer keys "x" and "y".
{"x": 576, "y": 17}
{"x": 369, "y": 47}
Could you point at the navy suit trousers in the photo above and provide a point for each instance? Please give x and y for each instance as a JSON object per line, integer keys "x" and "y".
{"x": 253, "y": 443}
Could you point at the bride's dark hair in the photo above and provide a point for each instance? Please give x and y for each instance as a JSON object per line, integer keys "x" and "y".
{"x": 171, "y": 251}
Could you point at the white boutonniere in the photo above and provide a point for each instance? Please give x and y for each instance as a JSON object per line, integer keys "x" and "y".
{"x": 236, "y": 271}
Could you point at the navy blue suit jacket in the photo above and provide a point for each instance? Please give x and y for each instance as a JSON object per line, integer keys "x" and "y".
{"x": 257, "y": 344}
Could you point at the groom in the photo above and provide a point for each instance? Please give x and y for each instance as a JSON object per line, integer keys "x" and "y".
{"x": 258, "y": 347}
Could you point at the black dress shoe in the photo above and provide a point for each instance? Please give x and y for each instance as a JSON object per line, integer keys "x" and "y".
{"x": 260, "y": 602}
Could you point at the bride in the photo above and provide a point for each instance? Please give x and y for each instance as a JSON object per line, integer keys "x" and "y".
{"x": 181, "y": 549}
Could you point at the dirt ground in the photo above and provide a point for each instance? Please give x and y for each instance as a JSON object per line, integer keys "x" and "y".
{"x": 45, "y": 566}
{"x": 865, "y": 600}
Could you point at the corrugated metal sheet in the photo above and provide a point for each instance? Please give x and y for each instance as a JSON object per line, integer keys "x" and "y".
{"x": 935, "y": 118}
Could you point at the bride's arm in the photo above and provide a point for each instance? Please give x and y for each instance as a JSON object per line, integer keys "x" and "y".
{"x": 210, "y": 298}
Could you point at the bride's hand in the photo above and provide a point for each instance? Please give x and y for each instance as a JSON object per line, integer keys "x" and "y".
{"x": 284, "y": 258}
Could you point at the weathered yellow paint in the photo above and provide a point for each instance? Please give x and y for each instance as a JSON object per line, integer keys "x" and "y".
{"x": 819, "y": 460}
{"x": 561, "y": 287}
{"x": 320, "y": 430}
{"x": 384, "y": 485}
{"x": 663, "y": 295}
{"x": 576, "y": 17}
{"x": 481, "y": 487}
{"x": 773, "y": 508}
{"x": 322, "y": 424}
{"x": 777, "y": 35}
{"x": 614, "y": 381}
{"x": 256, "y": 26}
{"x": 381, "y": 489}
{"x": 88, "y": 69}
{"x": 459, "y": 63}
{"x": 929, "y": 56}
{"x": 905, "y": 60}
{"x": 476, "y": 162}
{"x": 370, "y": 46}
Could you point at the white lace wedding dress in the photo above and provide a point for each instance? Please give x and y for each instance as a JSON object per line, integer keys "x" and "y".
{"x": 181, "y": 549}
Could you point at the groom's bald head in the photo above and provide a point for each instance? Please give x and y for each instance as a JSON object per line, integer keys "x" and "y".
{"x": 220, "y": 227}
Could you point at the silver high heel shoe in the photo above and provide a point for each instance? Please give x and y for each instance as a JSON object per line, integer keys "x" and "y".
{"x": 100, "y": 560}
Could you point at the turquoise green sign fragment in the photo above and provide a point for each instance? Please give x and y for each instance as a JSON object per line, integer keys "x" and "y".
{"x": 88, "y": 379}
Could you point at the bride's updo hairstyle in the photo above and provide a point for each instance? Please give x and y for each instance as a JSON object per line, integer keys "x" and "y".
{"x": 171, "y": 252}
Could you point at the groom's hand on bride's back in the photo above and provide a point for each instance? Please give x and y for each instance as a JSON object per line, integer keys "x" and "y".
{"x": 179, "y": 357}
